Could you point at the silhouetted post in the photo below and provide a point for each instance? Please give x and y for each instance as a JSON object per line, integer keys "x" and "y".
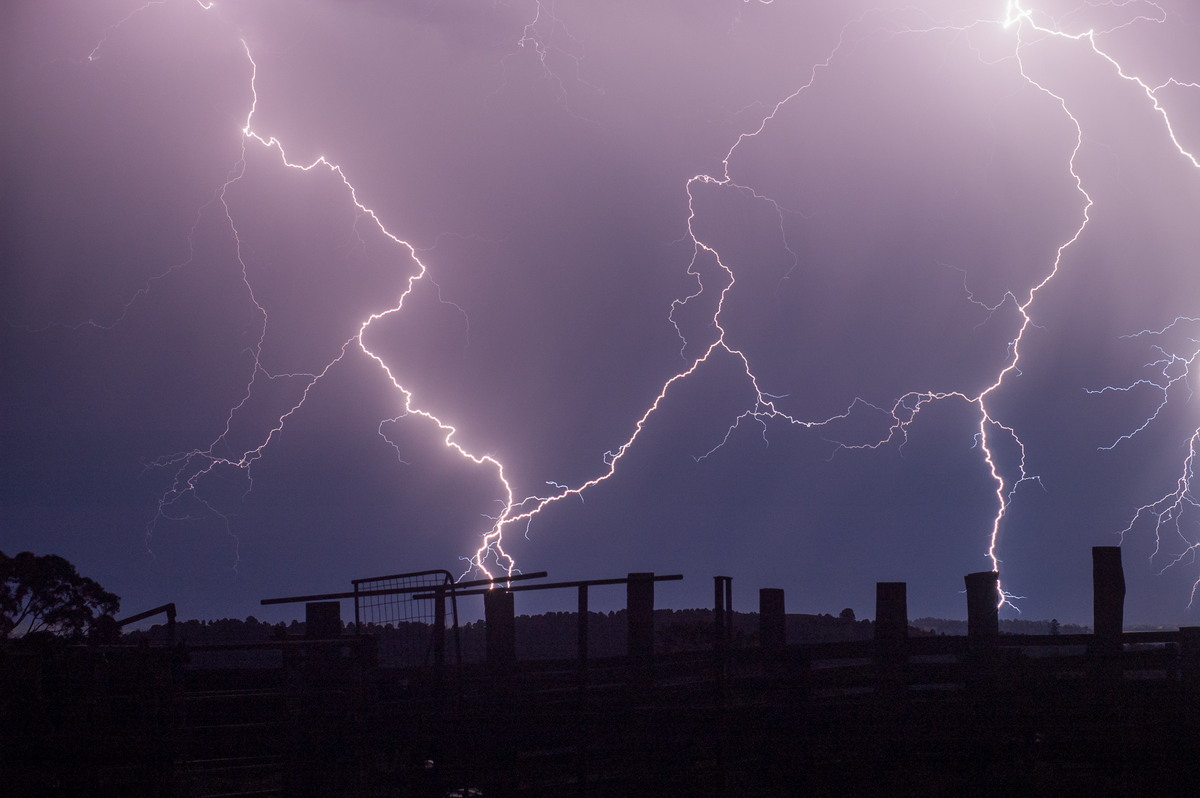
{"x": 722, "y": 632}
{"x": 499, "y": 751}
{"x": 357, "y": 615}
{"x": 1189, "y": 677}
{"x": 891, "y": 633}
{"x": 891, "y": 611}
{"x": 983, "y": 637}
{"x": 1108, "y": 618}
{"x": 772, "y": 620}
{"x": 323, "y": 620}
{"x": 982, "y": 671}
{"x": 582, "y": 643}
{"x": 1189, "y": 658}
{"x": 1108, "y": 600}
{"x": 500, "y": 627}
{"x": 639, "y": 604}
{"x": 983, "y": 611}
{"x": 581, "y": 742}
{"x": 323, "y": 741}
{"x": 439, "y": 628}
{"x": 722, "y": 615}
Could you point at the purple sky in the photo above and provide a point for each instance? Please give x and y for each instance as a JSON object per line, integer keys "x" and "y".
{"x": 861, "y": 197}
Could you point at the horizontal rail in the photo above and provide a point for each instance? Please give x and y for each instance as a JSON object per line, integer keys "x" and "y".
{"x": 393, "y": 591}
{"x": 168, "y": 608}
{"x": 557, "y": 585}
{"x": 436, "y": 571}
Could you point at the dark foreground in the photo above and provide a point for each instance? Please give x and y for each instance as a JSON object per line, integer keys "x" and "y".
{"x": 930, "y": 717}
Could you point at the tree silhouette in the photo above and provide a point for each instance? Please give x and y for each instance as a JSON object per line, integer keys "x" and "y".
{"x": 46, "y": 594}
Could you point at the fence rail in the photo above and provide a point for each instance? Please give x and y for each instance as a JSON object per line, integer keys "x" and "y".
{"x": 979, "y": 713}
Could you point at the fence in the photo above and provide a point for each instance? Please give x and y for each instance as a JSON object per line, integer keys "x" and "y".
{"x": 418, "y": 624}
{"x": 984, "y": 711}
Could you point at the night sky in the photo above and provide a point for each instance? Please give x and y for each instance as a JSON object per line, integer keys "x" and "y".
{"x": 724, "y": 287}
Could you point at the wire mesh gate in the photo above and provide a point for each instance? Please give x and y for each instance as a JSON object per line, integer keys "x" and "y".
{"x": 411, "y": 630}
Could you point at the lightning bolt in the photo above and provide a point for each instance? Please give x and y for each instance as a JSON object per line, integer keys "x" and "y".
{"x": 1170, "y": 370}
{"x": 1169, "y": 374}
{"x": 907, "y": 407}
{"x": 549, "y": 38}
{"x": 192, "y": 468}
{"x": 715, "y": 276}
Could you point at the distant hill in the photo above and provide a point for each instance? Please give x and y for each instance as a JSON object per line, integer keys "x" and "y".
{"x": 554, "y": 635}
{"x": 1008, "y": 626}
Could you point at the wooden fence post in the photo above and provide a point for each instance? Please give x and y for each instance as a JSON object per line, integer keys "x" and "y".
{"x": 722, "y": 618}
{"x": 891, "y": 634}
{"x": 772, "y": 620}
{"x": 639, "y": 605}
{"x": 500, "y": 627}
{"x": 439, "y": 629}
{"x": 1108, "y": 600}
{"x": 1189, "y": 688}
{"x": 323, "y": 620}
{"x": 1189, "y": 657}
{"x": 983, "y": 611}
{"x": 1108, "y": 618}
{"x": 891, "y": 611}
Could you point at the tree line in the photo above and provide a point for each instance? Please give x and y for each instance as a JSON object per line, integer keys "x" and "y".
{"x": 44, "y": 595}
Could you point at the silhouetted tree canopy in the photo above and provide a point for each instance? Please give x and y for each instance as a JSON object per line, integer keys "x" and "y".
{"x": 46, "y": 594}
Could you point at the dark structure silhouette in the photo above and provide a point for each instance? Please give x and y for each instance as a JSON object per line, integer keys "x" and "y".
{"x": 983, "y": 609}
{"x": 745, "y": 712}
{"x": 46, "y": 594}
{"x": 772, "y": 620}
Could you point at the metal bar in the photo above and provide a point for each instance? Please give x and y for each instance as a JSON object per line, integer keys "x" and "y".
{"x": 583, "y": 626}
{"x": 168, "y": 608}
{"x": 396, "y": 590}
{"x": 558, "y": 585}
{"x": 439, "y": 629}
{"x": 357, "y": 620}
{"x": 442, "y": 571}
{"x": 457, "y": 633}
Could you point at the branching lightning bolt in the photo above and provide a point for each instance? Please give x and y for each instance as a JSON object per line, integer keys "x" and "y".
{"x": 1170, "y": 370}
{"x": 906, "y": 408}
{"x": 1170, "y": 373}
{"x": 192, "y": 467}
{"x": 189, "y": 474}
